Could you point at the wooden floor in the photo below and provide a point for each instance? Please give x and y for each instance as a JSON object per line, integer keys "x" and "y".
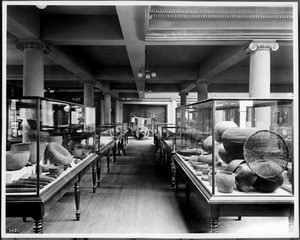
{"x": 136, "y": 198}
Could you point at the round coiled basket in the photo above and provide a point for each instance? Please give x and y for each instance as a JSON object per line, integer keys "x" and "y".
{"x": 266, "y": 153}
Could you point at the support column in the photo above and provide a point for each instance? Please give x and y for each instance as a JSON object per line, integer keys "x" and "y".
{"x": 101, "y": 111}
{"x": 260, "y": 78}
{"x": 202, "y": 90}
{"x": 33, "y": 66}
{"x": 172, "y": 111}
{"x": 260, "y": 68}
{"x": 117, "y": 110}
{"x": 107, "y": 108}
{"x": 183, "y": 98}
{"x": 88, "y": 92}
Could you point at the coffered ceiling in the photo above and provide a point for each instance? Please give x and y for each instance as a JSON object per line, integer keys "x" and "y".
{"x": 186, "y": 44}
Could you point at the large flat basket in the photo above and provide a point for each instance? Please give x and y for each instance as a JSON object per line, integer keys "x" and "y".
{"x": 266, "y": 153}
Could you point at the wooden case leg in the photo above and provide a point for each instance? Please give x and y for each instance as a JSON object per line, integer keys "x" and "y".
{"x": 213, "y": 224}
{"x": 98, "y": 171}
{"x": 107, "y": 159}
{"x": 77, "y": 200}
{"x": 291, "y": 224}
{"x": 38, "y": 225}
{"x": 94, "y": 178}
{"x": 114, "y": 151}
{"x": 187, "y": 195}
{"x": 176, "y": 179}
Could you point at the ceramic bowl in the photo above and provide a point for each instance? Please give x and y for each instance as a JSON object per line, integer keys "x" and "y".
{"x": 76, "y": 152}
{"x": 16, "y": 160}
{"x": 32, "y": 147}
{"x": 200, "y": 166}
{"x": 56, "y": 170}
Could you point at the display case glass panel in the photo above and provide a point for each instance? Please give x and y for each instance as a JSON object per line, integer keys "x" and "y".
{"x": 43, "y": 130}
{"x": 248, "y": 141}
{"x": 108, "y": 132}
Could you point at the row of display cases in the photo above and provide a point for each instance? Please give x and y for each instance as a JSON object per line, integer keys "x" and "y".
{"x": 249, "y": 139}
{"x": 51, "y": 144}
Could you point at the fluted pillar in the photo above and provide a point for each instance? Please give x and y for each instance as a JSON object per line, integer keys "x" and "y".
{"x": 117, "y": 110}
{"x": 33, "y": 66}
{"x": 107, "y": 108}
{"x": 260, "y": 68}
{"x": 183, "y": 98}
{"x": 202, "y": 90}
{"x": 88, "y": 98}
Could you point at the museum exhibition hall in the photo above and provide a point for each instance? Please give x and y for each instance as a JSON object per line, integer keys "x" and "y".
{"x": 137, "y": 119}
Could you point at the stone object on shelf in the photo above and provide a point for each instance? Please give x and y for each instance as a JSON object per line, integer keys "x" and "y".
{"x": 223, "y": 154}
{"x": 221, "y": 127}
{"x": 57, "y": 154}
{"x": 207, "y": 144}
{"x": 234, "y": 139}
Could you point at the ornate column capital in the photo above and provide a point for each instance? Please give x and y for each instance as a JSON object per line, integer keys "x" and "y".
{"x": 183, "y": 93}
{"x": 263, "y": 45}
{"x": 89, "y": 81}
{"x": 34, "y": 44}
{"x": 201, "y": 82}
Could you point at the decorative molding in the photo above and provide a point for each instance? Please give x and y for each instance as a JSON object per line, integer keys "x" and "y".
{"x": 193, "y": 12}
{"x": 274, "y": 46}
{"x": 219, "y": 34}
{"x": 217, "y": 16}
{"x": 34, "y": 44}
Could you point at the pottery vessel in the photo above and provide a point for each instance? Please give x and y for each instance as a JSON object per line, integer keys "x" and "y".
{"x": 32, "y": 147}
{"x": 268, "y": 185}
{"x": 225, "y": 181}
{"x": 76, "y": 153}
{"x": 210, "y": 177}
{"x": 244, "y": 177}
{"x": 16, "y": 160}
{"x": 199, "y": 166}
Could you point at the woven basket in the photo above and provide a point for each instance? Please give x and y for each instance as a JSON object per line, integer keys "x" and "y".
{"x": 266, "y": 153}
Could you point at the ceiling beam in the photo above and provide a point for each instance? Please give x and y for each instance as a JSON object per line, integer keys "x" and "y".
{"x": 132, "y": 21}
{"x": 80, "y": 29}
{"x": 220, "y": 60}
{"x": 23, "y": 22}
{"x": 24, "y": 27}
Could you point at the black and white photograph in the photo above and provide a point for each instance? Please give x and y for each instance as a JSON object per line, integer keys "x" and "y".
{"x": 150, "y": 120}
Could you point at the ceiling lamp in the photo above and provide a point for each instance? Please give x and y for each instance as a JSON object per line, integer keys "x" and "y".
{"x": 147, "y": 72}
{"x": 41, "y": 6}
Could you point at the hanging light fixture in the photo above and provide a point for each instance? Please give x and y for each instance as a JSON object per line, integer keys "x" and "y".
{"x": 147, "y": 72}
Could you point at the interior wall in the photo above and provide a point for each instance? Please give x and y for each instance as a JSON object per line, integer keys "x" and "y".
{"x": 145, "y": 110}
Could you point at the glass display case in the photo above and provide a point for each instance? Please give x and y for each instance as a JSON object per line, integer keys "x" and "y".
{"x": 108, "y": 132}
{"x": 238, "y": 147}
{"x": 46, "y": 138}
